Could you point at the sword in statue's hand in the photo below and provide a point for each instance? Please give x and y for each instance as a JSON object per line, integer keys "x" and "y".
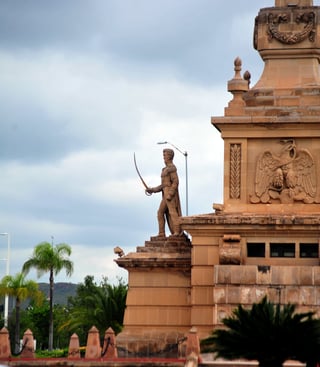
{"x": 139, "y": 174}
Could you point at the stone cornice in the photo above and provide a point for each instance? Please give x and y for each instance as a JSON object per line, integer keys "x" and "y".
{"x": 155, "y": 260}
{"x": 173, "y": 252}
{"x": 251, "y": 219}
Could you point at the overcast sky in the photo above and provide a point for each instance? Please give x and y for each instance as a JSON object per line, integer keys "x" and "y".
{"x": 84, "y": 85}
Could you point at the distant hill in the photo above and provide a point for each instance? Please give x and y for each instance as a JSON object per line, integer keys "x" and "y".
{"x": 61, "y": 291}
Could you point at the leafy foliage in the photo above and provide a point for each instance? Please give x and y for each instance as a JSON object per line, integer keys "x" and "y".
{"x": 57, "y": 353}
{"x": 36, "y": 318}
{"x": 268, "y": 333}
{"x": 38, "y": 321}
{"x": 101, "y": 305}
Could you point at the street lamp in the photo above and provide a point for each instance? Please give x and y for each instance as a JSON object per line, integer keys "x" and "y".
{"x": 185, "y": 153}
{"x": 6, "y": 299}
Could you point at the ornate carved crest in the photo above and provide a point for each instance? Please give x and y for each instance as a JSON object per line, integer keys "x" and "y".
{"x": 308, "y": 30}
{"x": 287, "y": 176}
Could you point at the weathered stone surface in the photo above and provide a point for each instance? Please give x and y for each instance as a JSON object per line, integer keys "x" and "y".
{"x": 233, "y": 295}
{"x": 219, "y": 295}
{"x": 133, "y": 343}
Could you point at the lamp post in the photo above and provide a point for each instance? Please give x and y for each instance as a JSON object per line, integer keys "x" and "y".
{"x": 185, "y": 153}
{"x": 6, "y": 299}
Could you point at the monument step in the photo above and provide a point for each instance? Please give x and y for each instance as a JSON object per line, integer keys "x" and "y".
{"x": 163, "y": 249}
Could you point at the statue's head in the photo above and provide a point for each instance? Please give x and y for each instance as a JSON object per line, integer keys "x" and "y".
{"x": 169, "y": 152}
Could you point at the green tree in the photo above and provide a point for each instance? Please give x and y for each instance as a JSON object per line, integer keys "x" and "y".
{"x": 37, "y": 319}
{"x": 52, "y": 259}
{"x": 268, "y": 333}
{"x": 101, "y": 305}
{"x": 21, "y": 289}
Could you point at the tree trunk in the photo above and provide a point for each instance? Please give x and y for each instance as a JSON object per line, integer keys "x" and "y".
{"x": 17, "y": 328}
{"x": 50, "y": 344}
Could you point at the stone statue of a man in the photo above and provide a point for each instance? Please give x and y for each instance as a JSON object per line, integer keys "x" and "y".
{"x": 169, "y": 208}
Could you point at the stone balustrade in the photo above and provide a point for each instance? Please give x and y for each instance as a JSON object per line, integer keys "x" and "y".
{"x": 94, "y": 350}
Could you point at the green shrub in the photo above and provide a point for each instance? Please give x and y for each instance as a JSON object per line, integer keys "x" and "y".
{"x": 56, "y": 353}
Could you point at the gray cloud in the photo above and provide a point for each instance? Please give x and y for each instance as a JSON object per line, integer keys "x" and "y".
{"x": 144, "y": 37}
{"x": 83, "y": 85}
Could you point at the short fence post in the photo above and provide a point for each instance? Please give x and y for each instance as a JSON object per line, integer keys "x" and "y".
{"x": 27, "y": 345}
{"x": 5, "y": 349}
{"x": 74, "y": 347}
{"x": 109, "y": 349}
{"x": 93, "y": 349}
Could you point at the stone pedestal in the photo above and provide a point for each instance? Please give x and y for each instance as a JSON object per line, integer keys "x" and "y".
{"x": 158, "y": 313}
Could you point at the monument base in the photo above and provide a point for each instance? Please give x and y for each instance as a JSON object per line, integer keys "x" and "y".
{"x": 157, "y": 316}
{"x": 151, "y": 343}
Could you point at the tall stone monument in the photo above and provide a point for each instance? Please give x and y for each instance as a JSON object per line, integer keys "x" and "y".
{"x": 264, "y": 238}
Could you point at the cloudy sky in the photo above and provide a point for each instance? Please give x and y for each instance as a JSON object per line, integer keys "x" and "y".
{"x": 84, "y": 85}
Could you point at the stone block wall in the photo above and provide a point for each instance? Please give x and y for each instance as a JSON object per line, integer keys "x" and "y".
{"x": 158, "y": 298}
{"x": 299, "y": 285}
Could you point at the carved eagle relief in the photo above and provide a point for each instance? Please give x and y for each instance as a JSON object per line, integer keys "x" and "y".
{"x": 288, "y": 176}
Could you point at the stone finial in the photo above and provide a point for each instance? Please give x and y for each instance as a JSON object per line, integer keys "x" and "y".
{"x": 27, "y": 345}
{"x": 237, "y": 86}
{"x": 247, "y": 76}
{"x": 237, "y": 83}
{"x": 74, "y": 347}
{"x": 109, "y": 349}
{"x": 237, "y": 68}
{"x": 5, "y": 349}
{"x": 93, "y": 349}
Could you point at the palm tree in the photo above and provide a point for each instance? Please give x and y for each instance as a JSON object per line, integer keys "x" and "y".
{"x": 268, "y": 333}
{"x": 22, "y": 289}
{"x": 116, "y": 296}
{"x": 52, "y": 259}
{"x": 100, "y": 305}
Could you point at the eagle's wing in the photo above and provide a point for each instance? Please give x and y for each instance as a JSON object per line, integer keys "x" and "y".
{"x": 266, "y": 166}
{"x": 305, "y": 172}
